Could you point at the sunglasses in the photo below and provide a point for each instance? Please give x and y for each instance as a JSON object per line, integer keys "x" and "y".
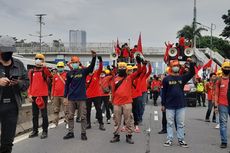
{"x": 38, "y": 58}
{"x": 60, "y": 67}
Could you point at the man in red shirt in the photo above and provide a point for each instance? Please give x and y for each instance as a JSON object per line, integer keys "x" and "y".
{"x": 137, "y": 99}
{"x": 93, "y": 94}
{"x": 39, "y": 88}
{"x": 144, "y": 89}
{"x": 156, "y": 87}
{"x": 221, "y": 101}
{"x": 210, "y": 90}
{"x": 122, "y": 100}
{"x": 58, "y": 87}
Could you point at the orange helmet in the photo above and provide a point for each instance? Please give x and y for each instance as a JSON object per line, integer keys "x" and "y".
{"x": 75, "y": 59}
{"x": 174, "y": 63}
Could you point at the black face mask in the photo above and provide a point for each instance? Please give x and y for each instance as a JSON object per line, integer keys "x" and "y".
{"x": 7, "y": 56}
{"x": 226, "y": 72}
{"x": 122, "y": 72}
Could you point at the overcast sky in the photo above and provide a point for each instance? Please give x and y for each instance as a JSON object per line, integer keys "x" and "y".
{"x": 105, "y": 20}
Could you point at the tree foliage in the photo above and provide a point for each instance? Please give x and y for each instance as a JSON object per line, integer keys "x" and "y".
{"x": 189, "y": 31}
{"x": 218, "y": 44}
{"x": 226, "y": 32}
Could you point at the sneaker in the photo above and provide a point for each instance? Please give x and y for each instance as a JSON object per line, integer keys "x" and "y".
{"x": 183, "y": 144}
{"x": 129, "y": 139}
{"x": 101, "y": 127}
{"x": 207, "y": 120}
{"x": 162, "y": 132}
{"x": 137, "y": 130}
{"x": 44, "y": 135}
{"x": 116, "y": 138}
{"x": 108, "y": 121}
{"x": 83, "y": 137}
{"x": 33, "y": 134}
{"x": 68, "y": 136}
{"x": 53, "y": 126}
{"x": 223, "y": 145}
{"x": 168, "y": 143}
{"x": 217, "y": 126}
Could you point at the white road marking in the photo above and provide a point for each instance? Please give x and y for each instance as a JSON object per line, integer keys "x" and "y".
{"x": 26, "y": 135}
{"x": 156, "y": 118}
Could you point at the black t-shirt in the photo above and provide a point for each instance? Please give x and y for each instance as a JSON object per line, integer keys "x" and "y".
{"x": 8, "y": 93}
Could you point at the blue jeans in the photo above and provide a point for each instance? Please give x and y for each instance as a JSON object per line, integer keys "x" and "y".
{"x": 223, "y": 117}
{"x": 179, "y": 115}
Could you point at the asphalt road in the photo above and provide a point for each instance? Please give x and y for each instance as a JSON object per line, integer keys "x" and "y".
{"x": 200, "y": 136}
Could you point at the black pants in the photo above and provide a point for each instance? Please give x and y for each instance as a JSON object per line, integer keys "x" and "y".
{"x": 208, "y": 113}
{"x": 201, "y": 96}
{"x": 35, "y": 111}
{"x": 97, "y": 103}
{"x": 137, "y": 110}
{"x": 151, "y": 94}
{"x": 155, "y": 96}
{"x": 8, "y": 120}
{"x": 105, "y": 103}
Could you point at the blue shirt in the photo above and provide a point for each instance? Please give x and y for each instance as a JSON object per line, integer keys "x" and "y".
{"x": 173, "y": 89}
{"x": 75, "y": 88}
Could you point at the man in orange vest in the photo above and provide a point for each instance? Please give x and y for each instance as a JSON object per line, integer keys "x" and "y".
{"x": 58, "y": 86}
{"x": 94, "y": 96}
{"x": 38, "y": 92}
{"x": 122, "y": 100}
{"x": 222, "y": 101}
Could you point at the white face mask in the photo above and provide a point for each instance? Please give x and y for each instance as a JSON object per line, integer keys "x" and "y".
{"x": 38, "y": 62}
{"x": 175, "y": 69}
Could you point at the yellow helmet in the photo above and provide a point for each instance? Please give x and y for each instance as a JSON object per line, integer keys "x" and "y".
{"x": 225, "y": 65}
{"x": 122, "y": 65}
{"x": 60, "y": 64}
{"x": 107, "y": 71}
{"x": 40, "y": 56}
{"x": 219, "y": 73}
{"x": 129, "y": 67}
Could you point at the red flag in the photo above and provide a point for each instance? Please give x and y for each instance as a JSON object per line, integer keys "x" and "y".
{"x": 117, "y": 47}
{"x": 208, "y": 64}
{"x": 215, "y": 69}
{"x": 139, "y": 44}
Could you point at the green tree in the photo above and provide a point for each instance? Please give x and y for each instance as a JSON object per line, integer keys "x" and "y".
{"x": 189, "y": 31}
{"x": 219, "y": 45}
{"x": 226, "y": 32}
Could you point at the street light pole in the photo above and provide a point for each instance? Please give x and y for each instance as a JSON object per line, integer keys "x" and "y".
{"x": 194, "y": 24}
{"x": 40, "y": 17}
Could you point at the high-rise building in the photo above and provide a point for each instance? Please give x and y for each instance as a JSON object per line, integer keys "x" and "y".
{"x": 77, "y": 40}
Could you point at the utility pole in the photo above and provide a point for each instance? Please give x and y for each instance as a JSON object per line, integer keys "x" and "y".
{"x": 194, "y": 24}
{"x": 40, "y": 36}
{"x": 40, "y": 18}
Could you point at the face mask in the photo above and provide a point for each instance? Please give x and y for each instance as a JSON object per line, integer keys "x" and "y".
{"x": 60, "y": 69}
{"x": 226, "y": 72}
{"x": 175, "y": 69}
{"x": 38, "y": 62}
{"x": 75, "y": 65}
{"x": 121, "y": 72}
{"x": 7, "y": 56}
{"x": 102, "y": 75}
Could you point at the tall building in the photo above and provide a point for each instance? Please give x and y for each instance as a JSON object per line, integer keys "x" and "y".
{"x": 77, "y": 40}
